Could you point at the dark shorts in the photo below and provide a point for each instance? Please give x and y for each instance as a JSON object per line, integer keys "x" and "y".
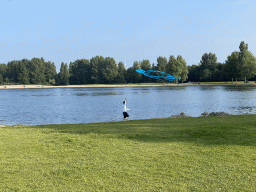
{"x": 125, "y": 114}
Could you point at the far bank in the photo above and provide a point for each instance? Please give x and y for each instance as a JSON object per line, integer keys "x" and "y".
{"x": 126, "y": 85}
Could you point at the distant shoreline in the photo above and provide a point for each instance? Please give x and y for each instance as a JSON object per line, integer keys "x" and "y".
{"x": 81, "y": 86}
{"x": 116, "y": 85}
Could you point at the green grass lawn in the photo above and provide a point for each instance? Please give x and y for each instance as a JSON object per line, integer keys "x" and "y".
{"x": 189, "y": 154}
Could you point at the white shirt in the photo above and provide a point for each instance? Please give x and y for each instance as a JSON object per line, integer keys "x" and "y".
{"x": 125, "y": 108}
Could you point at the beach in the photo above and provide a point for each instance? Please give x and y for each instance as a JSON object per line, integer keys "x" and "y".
{"x": 85, "y": 86}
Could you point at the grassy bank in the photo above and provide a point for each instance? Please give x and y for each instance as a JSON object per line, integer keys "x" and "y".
{"x": 190, "y": 154}
{"x": 229, "y": 82}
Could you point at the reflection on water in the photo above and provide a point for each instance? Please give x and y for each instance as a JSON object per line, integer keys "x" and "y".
{"x": 98, "y": 94}
{"x": 104, "y": 94}
{"x": 240, "y": 88}
{"x": 84, "y": 105}
{"x": 42, "y": 95}
{"x": 81, "y": 94}
{"x": 245, "y": 110}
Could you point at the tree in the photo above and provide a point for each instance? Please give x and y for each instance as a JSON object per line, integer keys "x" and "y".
{"x": 109, "y": 71}
{"x": 247, "y": 62}
{"x": 231, "y": 67}
{"x": 174, "y": 67}
{"x": 129, "y": 74}
{"x": 97, "y": 64}
{"x": 3, "y": 68}
{"x": 34, "y": 71}
{"x": 145, "y": 65}
{"x": 26, "y": 64}
{"x": 83, "y": 71}
{"x": 209, "y": 62}
{"x": 177, "y": 67}
{"x": 121, "y": 76}
{"x": 154, "y": 67}
{"x": 94, "y": 62}
{"x": 42, "y": 71}
{"x": 216, "y": 76}
{"x": 161, "y": 64}
{"x": 184, "y": 68}
{"x": 37, "y": 71}
{"x": 1, "y": 78}
{"x": 194, "y": 73}
{"x": 50, "y": 72}
{"x": 6, "y": 80}
{"x": 135, "y": 76}
{"x": 72, "y": 77}
{"x": 23, "y": 75}
{"x": 205, "y": 75}
{"x": 12, "y": 71}
{"x": 63, "y": 74}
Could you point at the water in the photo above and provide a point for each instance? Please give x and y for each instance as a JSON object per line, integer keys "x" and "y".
{"x": 86, "y": 105}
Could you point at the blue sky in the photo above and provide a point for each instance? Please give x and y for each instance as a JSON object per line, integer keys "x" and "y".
{"x": 128, "y": 31}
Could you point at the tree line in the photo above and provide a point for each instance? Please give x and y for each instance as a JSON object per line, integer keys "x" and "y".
{"x": 100, "y": 70}
{"x": 34, "y": 71}
{"x": 240, "y": 65}
{"x": 97, "y": 70}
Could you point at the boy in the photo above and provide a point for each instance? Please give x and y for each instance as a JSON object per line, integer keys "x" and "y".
{"x": 125, "y": 110}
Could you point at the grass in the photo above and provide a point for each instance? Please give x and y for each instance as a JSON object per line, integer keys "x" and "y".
{"x": 222, "y": 82}
{"x": 189, "y": 154}
{"x": 227, "y": 82}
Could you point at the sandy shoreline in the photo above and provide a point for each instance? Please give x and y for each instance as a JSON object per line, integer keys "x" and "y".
{"x": 78, "y": 86}
{"x": 123, "y": 85}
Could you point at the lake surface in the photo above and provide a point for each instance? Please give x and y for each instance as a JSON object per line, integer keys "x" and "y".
{"x": 86, "y": 105}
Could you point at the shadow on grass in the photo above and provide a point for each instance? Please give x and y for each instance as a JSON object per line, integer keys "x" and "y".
{"x": 233, "y": 130}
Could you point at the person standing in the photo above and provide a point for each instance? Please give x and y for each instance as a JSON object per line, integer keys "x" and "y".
{"x": 125, "y": 110}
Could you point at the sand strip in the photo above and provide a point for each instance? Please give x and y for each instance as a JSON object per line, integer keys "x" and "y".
{"x": 122, "y": 85}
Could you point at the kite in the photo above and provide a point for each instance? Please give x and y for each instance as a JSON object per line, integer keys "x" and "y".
{"x": 163, "y": 74}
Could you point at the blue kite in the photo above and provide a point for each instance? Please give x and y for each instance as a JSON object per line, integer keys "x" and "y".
{"x": 164, "y": 75}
